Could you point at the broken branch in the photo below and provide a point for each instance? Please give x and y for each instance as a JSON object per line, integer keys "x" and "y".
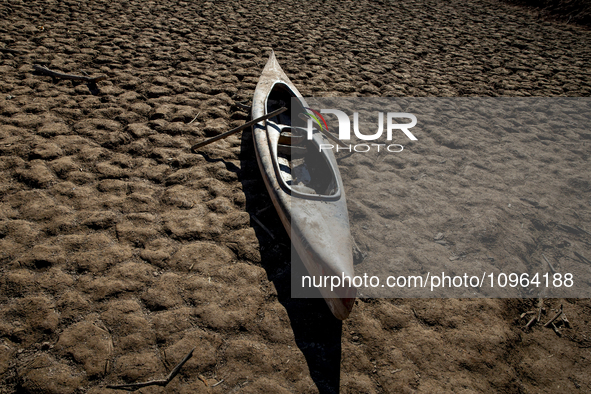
{"x": 263, "y": 226}
{"x": 549, "y": 265}
{"x": 555, "y": 317}
{"x": 55, "y": 74}
{"x": 161, "y": 382}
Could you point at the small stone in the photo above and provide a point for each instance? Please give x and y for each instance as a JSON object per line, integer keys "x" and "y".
{"x": 438, "y": 236}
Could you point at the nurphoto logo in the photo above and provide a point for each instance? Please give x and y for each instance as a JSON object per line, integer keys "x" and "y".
{"x": 344, "y": 134}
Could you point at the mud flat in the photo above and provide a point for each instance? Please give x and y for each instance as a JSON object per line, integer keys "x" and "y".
{"x": 120, "y": 250}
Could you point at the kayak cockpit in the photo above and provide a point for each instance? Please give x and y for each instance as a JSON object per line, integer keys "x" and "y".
{"x": 303, "y": 168}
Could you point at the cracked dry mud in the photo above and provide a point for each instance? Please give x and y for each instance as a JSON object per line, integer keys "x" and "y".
{"x": 120, "y": 250}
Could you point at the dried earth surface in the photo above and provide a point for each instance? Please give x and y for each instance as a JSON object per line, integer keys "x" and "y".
{"x": 120, "y": 250}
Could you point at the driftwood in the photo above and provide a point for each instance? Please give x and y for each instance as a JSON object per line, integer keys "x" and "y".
{"x": 161, "y": 382}
{"x": 55, "y": 74}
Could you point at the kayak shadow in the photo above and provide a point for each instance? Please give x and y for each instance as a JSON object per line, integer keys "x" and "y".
{"x": 316, "y": 331}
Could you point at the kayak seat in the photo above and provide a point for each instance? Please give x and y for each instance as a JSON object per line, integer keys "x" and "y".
{"x": 292, "y": 136}
{"x": 291, "y": 149}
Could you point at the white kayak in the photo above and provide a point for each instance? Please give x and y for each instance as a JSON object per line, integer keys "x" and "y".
{"x": 306, "y": 188}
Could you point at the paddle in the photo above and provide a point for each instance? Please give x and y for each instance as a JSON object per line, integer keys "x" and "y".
{"x": 237, "y": 129}
{"x": 325, "y": 132}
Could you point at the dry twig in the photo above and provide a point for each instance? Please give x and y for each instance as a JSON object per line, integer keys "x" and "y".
{"x": 55, "y": 74}
{"x": 263, "y": 226}
{"x": 549, "y": 265}
{"x": 583, "y": 259}
{"x": 195, "y": 118}
{"x": 555, "y": 317}
{"x": 242, "y": 106}
{"x": 161, "y": 382}
{"x": 556, "y": 329}
{"x": 536, "y": 318}
{"x": 565, "y": 320}
{"x": 530, "y": 322}
{"x": 540, "y": 307}
{"x": 524, "y": 314}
